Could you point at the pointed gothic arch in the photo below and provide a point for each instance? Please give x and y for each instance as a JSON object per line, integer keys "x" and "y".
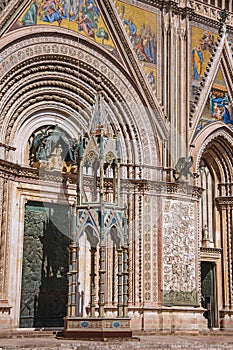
{"x": 215, "y": 166}
{"x": 29, "y": 89}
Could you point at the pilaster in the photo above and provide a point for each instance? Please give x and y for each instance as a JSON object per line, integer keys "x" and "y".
{"x": 225, "y": 206}
{"x": 175, "y": 69}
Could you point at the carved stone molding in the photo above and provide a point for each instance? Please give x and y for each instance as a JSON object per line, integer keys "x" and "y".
{"x": 211, "y": 250}
{"x": 210, "y": 254}
{"x": 221, "y": 134}
{"x": 74, "y": 49}
{"x": 15, "y": 172}
{"x": 207, "y": 14}
{"x": 4, "y": 240}
{"x": 173, "y": 297}
{"x": 224, "y": 203}
{"x": 91, "y": 64}
{"x": 5, "y": 310}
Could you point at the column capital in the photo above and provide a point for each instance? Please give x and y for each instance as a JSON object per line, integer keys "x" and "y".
{"x": 224, "y": 203}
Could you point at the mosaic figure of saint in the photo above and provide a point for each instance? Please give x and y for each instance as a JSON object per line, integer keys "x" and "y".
{"x": 221, "y": 108}
{"x": 30, "y": 17}
{"x": 198, "y": 60}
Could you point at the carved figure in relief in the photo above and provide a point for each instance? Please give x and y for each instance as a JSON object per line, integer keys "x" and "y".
{"x": 198, "y": 61}
{"x": 50, "y": 147}
{"x": 55, "y": 159}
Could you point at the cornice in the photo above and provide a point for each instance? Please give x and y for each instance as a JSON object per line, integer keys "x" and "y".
{"x": 196, "y": 11}
{"x": 14, "y": 172}
{"x": 208, "y": 15}
{"x": 210, "y": 251}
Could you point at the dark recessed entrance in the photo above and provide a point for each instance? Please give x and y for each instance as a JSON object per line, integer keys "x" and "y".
{"x": 45, "y": 265}
{"x": 208, "y": 292}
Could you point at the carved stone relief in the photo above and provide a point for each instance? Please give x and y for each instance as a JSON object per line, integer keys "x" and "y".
{"x": 3, "y": 239}
{"x": 150, "y": 272}
{"x": 179, "y": 253}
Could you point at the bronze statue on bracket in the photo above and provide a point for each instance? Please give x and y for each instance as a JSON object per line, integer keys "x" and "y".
{"x": 182, "y": 168}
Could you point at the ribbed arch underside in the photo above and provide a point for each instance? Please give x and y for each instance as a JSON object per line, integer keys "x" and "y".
{"x": 72, "y": 85}
{"x": 67, "y": 84}
{"x": 218, "y": 157}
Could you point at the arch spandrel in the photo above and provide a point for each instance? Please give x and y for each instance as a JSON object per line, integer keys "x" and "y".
{"x": 25, "y": 84}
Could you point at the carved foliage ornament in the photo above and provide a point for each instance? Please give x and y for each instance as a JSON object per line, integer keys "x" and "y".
{"x": 179, "y": 251}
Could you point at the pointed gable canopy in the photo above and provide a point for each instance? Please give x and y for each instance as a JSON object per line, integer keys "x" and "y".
{"x": 214, "y": 98}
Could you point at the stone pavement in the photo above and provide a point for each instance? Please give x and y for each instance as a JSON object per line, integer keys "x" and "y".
{"x": 150, "y": 342}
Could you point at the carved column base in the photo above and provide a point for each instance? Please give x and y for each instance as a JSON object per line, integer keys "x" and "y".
{"x": 96, "y": 328}
{"x": 226, "y": 319}
{"x": 5, "y": 318}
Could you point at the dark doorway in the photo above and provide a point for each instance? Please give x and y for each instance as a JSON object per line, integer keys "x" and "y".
{"x": 45, "y": 265}
{"x": 208, "y": 292}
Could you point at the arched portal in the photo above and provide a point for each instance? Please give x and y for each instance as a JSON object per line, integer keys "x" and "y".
{"x": 215, "y": 166}
{"x": 60, "y": 91}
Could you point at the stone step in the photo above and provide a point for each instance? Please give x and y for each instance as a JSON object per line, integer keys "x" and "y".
{"x": 147, "y": 343}
{"x": 46, "y": 340}
{"x": 28, "y": 334}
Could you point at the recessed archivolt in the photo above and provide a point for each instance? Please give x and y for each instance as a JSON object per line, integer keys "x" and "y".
{"x": 76, "y": 93}
{"x": 74, "y": 83}
{"x": 218, "y": 166}
{"x": 33, "y": 118}
{"x": 217, "y": 152}
{"x": 65, "y": 113}
{"x": 71, "y": 47}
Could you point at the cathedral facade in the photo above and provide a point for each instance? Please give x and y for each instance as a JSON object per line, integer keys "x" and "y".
{"x": 155, "y": 77}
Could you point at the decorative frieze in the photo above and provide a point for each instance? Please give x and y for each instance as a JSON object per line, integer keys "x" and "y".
{"x": 150, "y": 243}
{"x": 209, "y": 12}
{"x": 3, "y": 239}
{"x": 210, "y": 253}
{"x": 98, "y": 323}
{"x": 96, "y": 328}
